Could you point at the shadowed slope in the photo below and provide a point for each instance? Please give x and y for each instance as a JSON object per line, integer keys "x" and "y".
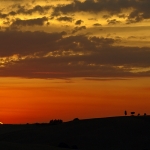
{"x": 117, "y": 133}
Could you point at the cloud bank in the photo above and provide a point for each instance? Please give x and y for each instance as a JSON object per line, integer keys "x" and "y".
{"x": 75, "y": 39}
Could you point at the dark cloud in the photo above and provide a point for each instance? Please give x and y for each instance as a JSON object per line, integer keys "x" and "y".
{"x": 25, "y": 43}
{"x": 140, "y": 9}
{"x": 37, "y": 8}
{"x": 113, "y": 7}
{"x": 97, "y": 24}
{"x": 92, "y": 19}
{"x": 140, "y": 12}
{"x": 46, "y": 55}
{"x": 95, "y": 49}
{"x": 76, "y": 29}
{"x": 7, "y": 22}
{"x": 60, "y": 55}
{"x": 12, "y": 13}
{"x": 30, "y": 22}
{"x": 93, "y": 6}
{"x": 60, "y": 67}
{"x": 106, "y": 16}
{"x": 3, "y": 15}
{"x": 121, "y": 16}
{"x": 21, "y": 9}
{"x": 113, "y": 21}
{"x": 78, "y": 22}
{"x": 65, "y": 18}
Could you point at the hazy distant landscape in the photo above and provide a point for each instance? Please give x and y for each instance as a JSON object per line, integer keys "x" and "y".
{"x": 118, "y": 133}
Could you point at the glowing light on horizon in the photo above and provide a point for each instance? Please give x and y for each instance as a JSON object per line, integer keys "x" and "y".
{"x": 1, "y": 123}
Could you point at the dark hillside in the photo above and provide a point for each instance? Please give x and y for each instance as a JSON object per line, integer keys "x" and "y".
{"x": 119, "y": 133}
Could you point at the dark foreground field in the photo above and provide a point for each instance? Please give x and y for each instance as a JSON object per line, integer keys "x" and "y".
{"x": 115, "y": 133}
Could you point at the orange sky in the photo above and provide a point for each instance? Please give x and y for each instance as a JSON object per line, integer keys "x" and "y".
{"x": 26, "y": 100}
{"x": 61, "y": 59}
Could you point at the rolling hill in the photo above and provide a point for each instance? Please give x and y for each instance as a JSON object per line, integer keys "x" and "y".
{"x": 113, "y": 133}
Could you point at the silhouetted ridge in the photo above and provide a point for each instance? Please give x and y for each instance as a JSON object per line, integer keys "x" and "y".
{"x": 117, "y": 133}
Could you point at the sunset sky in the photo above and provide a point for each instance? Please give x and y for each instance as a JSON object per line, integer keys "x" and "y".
{"x": 62, "y": 59}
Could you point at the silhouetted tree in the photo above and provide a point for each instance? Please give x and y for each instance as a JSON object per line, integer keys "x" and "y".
{"x": 125, "y": 112}
{"x": 138, "y": 114}
{"x": 55, "y": 122}
{"x": 144, "y": 114}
